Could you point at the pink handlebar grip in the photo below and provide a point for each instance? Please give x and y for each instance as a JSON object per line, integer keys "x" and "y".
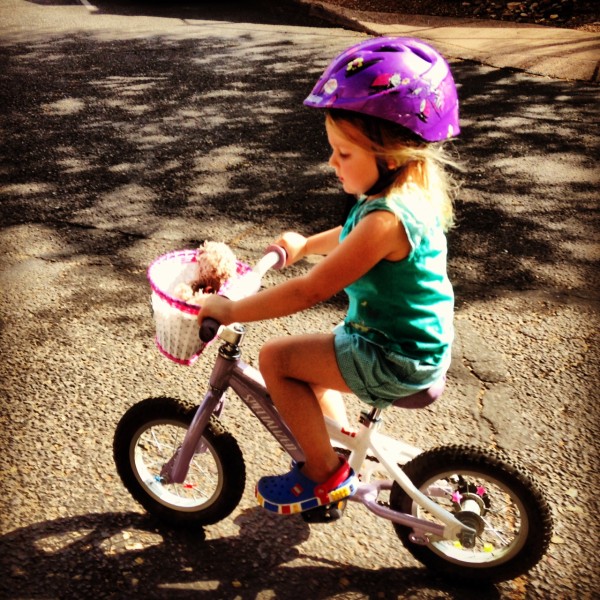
{"x": 281, "y": 253}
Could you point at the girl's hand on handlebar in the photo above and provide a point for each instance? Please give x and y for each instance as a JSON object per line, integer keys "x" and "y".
{"x": 217, "y": 308}
{"x": 294, "y": 245}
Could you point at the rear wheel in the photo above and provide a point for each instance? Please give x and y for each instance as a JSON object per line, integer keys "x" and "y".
{"x": 487, "y": 492}
{"x": 149, "y": 434}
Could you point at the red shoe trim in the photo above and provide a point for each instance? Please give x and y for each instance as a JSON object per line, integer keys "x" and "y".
{"x": 322, "y": 490}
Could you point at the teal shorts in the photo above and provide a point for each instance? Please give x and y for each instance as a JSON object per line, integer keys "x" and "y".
{"x": 378, "y": 376}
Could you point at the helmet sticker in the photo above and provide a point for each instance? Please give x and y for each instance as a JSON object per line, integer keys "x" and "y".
{"x": 314, "y": 99}
{"x": 355, "y": 65}
{"x": 387, "y": 81}
{"x": 330, "y": 86}
{"x": 424, "y": 111}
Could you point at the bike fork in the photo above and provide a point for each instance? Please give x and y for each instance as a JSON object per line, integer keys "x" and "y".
{"x": 176, "y": 468}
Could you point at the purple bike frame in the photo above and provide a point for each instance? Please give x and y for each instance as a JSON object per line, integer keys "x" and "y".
{"x": 249, "y": 385}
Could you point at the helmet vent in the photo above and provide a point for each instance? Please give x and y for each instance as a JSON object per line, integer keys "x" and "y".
{"x": 422, "y": 54}
{"x": 389, "y": 49}
{"x": 359, "y": 64}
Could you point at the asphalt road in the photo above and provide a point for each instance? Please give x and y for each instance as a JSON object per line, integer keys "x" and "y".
{"x": 131, "y": 131}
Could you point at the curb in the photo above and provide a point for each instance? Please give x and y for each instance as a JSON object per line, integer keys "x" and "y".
{"x": 547, "y": 51}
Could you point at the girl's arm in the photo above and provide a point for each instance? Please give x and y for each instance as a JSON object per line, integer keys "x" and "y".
{"x": 297, "y": 246}
{"x": 378, "y": 236}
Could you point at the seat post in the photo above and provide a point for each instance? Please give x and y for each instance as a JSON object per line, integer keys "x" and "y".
{"x": 371, "y": 418}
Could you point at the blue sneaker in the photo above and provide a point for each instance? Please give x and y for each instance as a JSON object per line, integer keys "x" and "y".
{"x": 294, "y": 492}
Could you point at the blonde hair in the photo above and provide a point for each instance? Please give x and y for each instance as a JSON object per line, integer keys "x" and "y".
{"x": 420, "y": 163}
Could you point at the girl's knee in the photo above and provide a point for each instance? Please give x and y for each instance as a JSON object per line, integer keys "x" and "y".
{"x": 270, "y": 355}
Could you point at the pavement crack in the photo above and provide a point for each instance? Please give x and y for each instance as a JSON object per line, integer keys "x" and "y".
{"x": 492, "y": 426}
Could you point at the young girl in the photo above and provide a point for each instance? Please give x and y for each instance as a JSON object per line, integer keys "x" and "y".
{"x": 386, "y": 101}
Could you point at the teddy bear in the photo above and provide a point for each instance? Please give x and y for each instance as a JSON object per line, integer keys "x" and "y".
{"x": 216, "y": 263}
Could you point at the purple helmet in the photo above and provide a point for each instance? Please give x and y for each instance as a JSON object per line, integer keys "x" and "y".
{"x": 402, "y": 80}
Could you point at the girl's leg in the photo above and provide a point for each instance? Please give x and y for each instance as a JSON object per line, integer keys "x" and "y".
{"x": 332, "y": 405}
{"x": 291, "y": 367}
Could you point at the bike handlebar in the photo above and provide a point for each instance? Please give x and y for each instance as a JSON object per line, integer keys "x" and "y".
{"x": 274, "y": 258}
{"x": 209, "y": 329}
{"x": 248, "y": 284}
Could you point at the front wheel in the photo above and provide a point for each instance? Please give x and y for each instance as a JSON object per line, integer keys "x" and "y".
{"x": 149, "y": 434}
{"x": 488, "y": 493}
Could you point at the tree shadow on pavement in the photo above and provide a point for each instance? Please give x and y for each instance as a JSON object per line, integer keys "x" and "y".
{"x": 528, "y": 209}
{"x": 127, "y": 555}
{"x": 131, "y": 135}
{"x": 125, "y": 130}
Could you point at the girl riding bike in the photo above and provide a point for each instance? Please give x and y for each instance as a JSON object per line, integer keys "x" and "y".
{"x": 389, "y": 105}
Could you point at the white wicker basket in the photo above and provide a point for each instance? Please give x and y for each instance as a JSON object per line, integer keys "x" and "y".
{"x": 177, "y": 330}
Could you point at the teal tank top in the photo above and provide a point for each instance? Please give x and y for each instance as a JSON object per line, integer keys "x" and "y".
{"x": 405, "y": 306}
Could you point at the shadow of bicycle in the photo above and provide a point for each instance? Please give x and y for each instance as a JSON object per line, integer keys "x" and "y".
{"x": 127, "y": 555}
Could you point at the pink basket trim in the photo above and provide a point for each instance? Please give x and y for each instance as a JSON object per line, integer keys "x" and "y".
{"x": 188, "y": 362}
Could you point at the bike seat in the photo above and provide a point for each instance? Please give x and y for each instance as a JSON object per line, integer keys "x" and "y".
{"x": 422, "y": 398}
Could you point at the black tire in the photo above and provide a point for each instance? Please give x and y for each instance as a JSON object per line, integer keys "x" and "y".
{"x": 516, "y": 521}
{"x": 148, "y": 435}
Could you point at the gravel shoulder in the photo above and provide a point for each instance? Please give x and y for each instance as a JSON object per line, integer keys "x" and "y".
{"x": 582, "y": 15}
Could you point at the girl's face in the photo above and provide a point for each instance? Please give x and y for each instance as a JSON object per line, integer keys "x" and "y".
{"x": 355, "y": 167}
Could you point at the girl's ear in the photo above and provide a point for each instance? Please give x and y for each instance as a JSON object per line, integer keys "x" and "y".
{"x": 392, "y": 165}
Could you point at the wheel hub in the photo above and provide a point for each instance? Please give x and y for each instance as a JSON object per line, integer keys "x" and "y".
{"x": 471, "y": 507}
